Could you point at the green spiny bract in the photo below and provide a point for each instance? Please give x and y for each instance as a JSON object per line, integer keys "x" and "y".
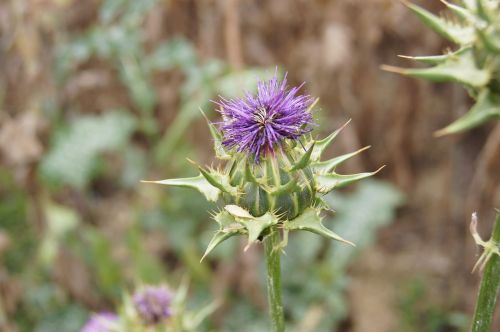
{"x": 474, "y": 25}
{"x": 283, "y": 190}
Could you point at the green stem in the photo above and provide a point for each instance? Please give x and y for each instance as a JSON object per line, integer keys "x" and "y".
{"x": 490, "y": 284}
{"x": 271, "y": 243}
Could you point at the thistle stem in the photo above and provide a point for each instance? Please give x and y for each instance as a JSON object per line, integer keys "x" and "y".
{"x": 490, "y": 284}
{"x": 271, "y": 243}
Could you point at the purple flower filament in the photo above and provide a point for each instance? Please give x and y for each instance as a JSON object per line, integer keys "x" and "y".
{"x": 258, "y": 124}
{"x": 153, "y": 304}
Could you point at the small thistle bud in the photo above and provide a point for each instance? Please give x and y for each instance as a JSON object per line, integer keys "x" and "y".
{"x": 153, "y": 304}
{"x": 101, "y": 322}
{"x": 270, "y": 174}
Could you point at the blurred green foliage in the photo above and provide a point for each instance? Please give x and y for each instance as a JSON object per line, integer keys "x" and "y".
{"x": 73, "y": 156}
{"x": 419, "y": 315}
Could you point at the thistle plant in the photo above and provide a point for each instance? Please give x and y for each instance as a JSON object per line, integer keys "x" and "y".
{"x": 151, "y": 309}
{"x": 474, "y": 26}
{"x": 153, "y": 304}
{"x": 270, "y": 179}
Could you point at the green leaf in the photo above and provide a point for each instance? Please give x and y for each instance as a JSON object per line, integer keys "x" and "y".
{"x": 176, "y": 53}
{"x": 199, "y": 183}
{"x": 217, "y": 239}
{"x": 436, "y": 59}
{"x": 490, "y": 41}
{"x": 257, "y": 226}
{"x": 321, "y": 145}
{"x": 428, "y": 59}
{"x": 463, "y": 13}
{"x": 304, "y": 160}
{"x": 228, "y": 227}
{"x": 289, "y": 187}
{"x": 310, "y": 221}
{"x": 136, "y": 79}
{"x": 449, "y": 30}
{"x": 486, "y": 108}
{"x": 220, "y": 152}
{"x": 461, "y": 68}
{"x": 484, "y": 12}
{"x": 254, "y": 225}
{"x": 238, "y": 212}
{"x": 74, "y": 153}
{"x": 327, "y": 182}
{"x": 68, "y": 318}
{"x": 60, "y": 220}
{"x": 218, "y": 180}
{"x": 323, "y": 167}
{"x": 249, "y": 176}
{"x": 194, "y": 320}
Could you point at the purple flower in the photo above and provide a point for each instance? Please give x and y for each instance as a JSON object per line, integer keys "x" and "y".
{"x": 258, "y": 124}
{"x": 101, "y": 322}
{"x": 153, "y": 303}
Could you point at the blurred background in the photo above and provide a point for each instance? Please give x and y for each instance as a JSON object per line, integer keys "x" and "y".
{"x": 97, "y": 95}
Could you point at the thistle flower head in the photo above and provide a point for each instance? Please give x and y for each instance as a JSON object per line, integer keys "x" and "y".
{"x": 257, "y": 124}
{"x": 102, "y": 322}
{"x": 153, "y": 303}
{"x": 263, "y": 191}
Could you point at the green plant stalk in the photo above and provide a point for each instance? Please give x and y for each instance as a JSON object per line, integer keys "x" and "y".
{"x": 490, "y": 284}
{"x": 274, "y": 296}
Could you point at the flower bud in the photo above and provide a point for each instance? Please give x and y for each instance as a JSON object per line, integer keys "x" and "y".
{"x": 270, "y": 174}
{"x": 153, "y": 304}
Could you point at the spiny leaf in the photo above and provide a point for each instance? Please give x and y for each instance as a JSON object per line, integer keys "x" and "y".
{"x": 483, "y": 12}
{"x": 326, "y": 183}
{"x": 304, "y": 160}
{"x": 469, "y": 4}
{"x": 321, "y": 145}
{"x": 326, "y": 166}
{"x": 220, "y": 181}
{"x": 226, "y": 221}
{"x": 254, "y": 225}
{"x": 198, "y": 182}
{"x": 257, "y": 226}
{"x": 461, "y": 12}
{"x": 487, "y": 107}
{"x": 435, "y": 59}
{"x": 220, "y": 152}
{"x": 289, "y": 187}
{"x": 461, "y": 69}
{"x": 427, "y": 59}
{"x": 310, "y": 221}
{"x": 490, "y": 42}
{"x": 238, "y": 212}
{"x": 456, "y": 34}
{"x": 228, "y": 228}
{"x": 313, "y": 104}
{"x": 249, "y": 176}
{"x": 217, "y": 239}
